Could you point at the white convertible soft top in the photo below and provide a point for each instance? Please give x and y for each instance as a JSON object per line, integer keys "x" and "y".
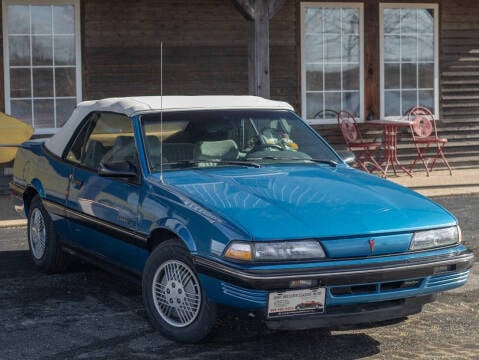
{"x": 137, "y": 105}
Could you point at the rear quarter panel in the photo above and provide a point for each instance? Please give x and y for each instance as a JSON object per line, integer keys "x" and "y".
{"x": 36, "y": 168}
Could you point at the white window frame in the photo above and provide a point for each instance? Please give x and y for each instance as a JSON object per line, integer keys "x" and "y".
{"x": 335, "y": 5}
{"x": 6, "y": 54}
{"x": 435, "y": 8}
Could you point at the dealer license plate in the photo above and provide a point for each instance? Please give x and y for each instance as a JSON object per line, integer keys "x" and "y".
{"x": 296, "y": 302}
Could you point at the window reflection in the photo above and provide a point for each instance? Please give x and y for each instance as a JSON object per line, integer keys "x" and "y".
{"x": 350, "y": 48}
{"x": 391, "y": 21}
{"x": 409, "y": 48}
{"x": 392, "y": 48}
{"x": 408, "y": 59}
{"x": 62, "y": 19}
{"x": 42, "y": 110}
{"x": 332, "y": 100}
{"x": 392, "y": 103}
{"x": 42, "y": 63}
{"x": 42, "y": 52}
{"x": 19, "y": 50}
{"x": 350, "y": 77}
{"x": 409, "y": 75}
{"x": 332, "y": 49}
{"x": 314, "y": 51}
{"x": 331, "y": 20}
{"x": 392, "y": 75}
{"x": 63, "y": 110}
{"x": 64, "y": 50}
{"x": 409, "y": 99}
{"x": 18, "y": 19}
{"x": 408, "y": 21}
{"x": 426, "y": 47}
{"x": 426, "y": 98}
{"x": 65, "y": 82}
{"x": 41, "y": 17}
{"x": 314, "y": 77}
{"x": 20, "y": 82}
{"x": 350, "y": 22}
{"x": 426, "y": 19}
{"x": 315, "y": 106}
{"x": 42, "y": 82}
{"x": 351, "y": 101}
{"x": 22, "y": 109}
{"x": 426, "y": 75}
{"x": 332, "y": 77}
{"x": 331, "y": 64}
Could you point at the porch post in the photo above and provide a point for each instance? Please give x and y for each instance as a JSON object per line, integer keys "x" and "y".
{"x": 258, "y": 13}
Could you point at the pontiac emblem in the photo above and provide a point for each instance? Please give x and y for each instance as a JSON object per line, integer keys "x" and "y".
{"x": 371, "y": 244}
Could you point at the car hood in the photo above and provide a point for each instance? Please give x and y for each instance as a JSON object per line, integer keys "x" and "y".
{"x": 306, "y": 201}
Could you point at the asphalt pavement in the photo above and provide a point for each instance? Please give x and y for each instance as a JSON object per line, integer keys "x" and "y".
{"x": 87, "y": 313}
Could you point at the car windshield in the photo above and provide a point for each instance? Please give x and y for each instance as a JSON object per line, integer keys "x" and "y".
{"x": 207, "y": 138}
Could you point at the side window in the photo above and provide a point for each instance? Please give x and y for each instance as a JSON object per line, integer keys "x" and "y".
{"x": 107, "y": 137}
{"x": 76, "y": 149}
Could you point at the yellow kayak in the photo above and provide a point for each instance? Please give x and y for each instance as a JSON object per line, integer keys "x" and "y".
{"x": 12, "y": 132}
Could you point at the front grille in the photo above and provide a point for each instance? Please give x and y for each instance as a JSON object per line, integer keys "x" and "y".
{"x": 374, "y": 288}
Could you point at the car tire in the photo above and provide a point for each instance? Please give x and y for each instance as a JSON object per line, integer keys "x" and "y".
{"x": 43, "y": 242}
{"x": 174, "y": 299}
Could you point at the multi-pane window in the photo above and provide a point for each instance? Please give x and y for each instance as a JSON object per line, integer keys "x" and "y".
{"x": 42, "y": 62}
{"x": 408, "y": 58}
{"x": 332, "y": 60}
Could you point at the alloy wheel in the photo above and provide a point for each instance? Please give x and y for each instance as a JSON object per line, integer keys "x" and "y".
{"x": 38, "y": 234}
{"x": 176, "y": 293}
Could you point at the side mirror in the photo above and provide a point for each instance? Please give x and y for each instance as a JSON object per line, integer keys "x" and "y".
{"x": 120, "y": 169}
{"x": 347, "y": 156}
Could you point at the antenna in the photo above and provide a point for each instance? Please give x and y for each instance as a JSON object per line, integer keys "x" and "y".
{"x": 161, "y": 112}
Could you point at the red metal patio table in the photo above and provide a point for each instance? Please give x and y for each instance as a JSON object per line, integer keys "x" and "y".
{"x": 390, "y": 128}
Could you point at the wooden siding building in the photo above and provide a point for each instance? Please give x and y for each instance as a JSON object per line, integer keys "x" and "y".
{"x": 58, "y": 52}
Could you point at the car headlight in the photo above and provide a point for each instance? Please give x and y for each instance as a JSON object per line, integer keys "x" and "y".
{"x": 275, "y": 251}
{"x": 435, "y": 238}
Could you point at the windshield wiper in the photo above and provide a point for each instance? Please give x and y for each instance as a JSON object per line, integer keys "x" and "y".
{"x": 234, "y": 162}
{"x": 321, "y": 161}
{"x": 325, "y": 161}
{"x": 221, "y": 162}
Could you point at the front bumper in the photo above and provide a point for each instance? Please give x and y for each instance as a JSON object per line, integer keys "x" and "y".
{"x": 355, "y": 314}
{"x": 379, "y": 289}
{"x": 342, "y": 272}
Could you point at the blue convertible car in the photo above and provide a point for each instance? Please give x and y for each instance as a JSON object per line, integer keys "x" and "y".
{"x": 232, "y": 201}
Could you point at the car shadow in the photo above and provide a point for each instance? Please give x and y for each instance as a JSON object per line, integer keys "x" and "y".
{"x": 63, "y": 300}
{"x": 13, "y": 261}
{"x": 251, "y": 339}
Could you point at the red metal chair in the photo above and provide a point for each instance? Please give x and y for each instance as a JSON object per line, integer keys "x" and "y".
{"x": 424, "y": 135}
{"x": 365, "y": 149}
